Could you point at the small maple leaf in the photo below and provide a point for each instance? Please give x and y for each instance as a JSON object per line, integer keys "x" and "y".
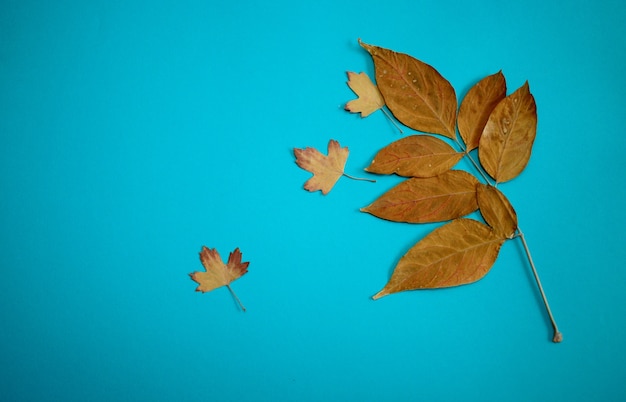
{"x": 326, "y": 169}
{"x": 369, "y": 97}
{"x": 217, "y": 273}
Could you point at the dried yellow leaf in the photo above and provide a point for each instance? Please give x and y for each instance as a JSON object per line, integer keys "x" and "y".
{"x": 369, "y": 97}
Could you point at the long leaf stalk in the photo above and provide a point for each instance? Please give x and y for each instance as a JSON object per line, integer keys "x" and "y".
{"x": 232, "y": 292}
{"x": 358, "y": 178}
{"x": 558, "y": 336}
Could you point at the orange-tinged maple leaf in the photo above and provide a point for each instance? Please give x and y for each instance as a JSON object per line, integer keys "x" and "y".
{"x": 326, "y": 169}
{"x": 217, "y": 273}
{"x": 369, "y": 97}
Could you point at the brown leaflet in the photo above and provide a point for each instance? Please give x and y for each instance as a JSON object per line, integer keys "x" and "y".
{"x": 496, "y": 210}
{"x": 476, "y": 107}
{"x": 507, "y": 140}
{"x": 415, "y": 92}
{"x": 457, "y": 253}
{"x": 433, "y": 199}
{"x": 415, "y": 156}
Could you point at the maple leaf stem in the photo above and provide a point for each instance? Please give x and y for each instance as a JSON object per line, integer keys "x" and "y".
{"x": 358, "y": 178}
{"x": 391, "y": 120}
{"x": 232, "y": 292}
{"x": 558, "y": 337}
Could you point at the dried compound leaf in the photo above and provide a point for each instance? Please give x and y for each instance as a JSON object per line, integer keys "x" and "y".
{"x": 496, "y": 210}
{"x": 218, "y": 274}
{"x": 415, "y": 156}
{"x": 433, "y": 199}
{"x": 326, "y": 169}
{"x": 417, "y": 95}
{"x": 457, "y": 253}
{"x": 369, "y": 97}
{"x": 507, "y": 140}
{"x": 476, "y": 107}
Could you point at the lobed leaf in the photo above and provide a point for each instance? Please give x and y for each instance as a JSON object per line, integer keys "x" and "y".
{"x": 417, "y": 95}
{"x": 369, "y": 97}
{"x": 457, "y": 253}
{"x": 415, "y": 156}
{"x": 433, "y": 199}
{"x": 326, "y": 169}
{"x": 476, "y": 107}
{"x": 218, "y": 274}
{"x": 496, "y": 210}
{"x": 507, "y": 140}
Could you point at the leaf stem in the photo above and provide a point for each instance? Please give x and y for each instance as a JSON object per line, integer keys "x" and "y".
{"x": 476, "y": 165}
{"x": 391, "y": 120}
{"x": 558, "y": 337}
{"x": 232, "y": 292}
{"x": 480, "y": 170}
{"x": 358, "y": 178}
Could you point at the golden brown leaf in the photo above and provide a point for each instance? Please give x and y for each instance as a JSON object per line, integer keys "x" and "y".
{"x": 507, "y": 140}
{"x": 433, "y": 199}
{"x": 476, "y": 107}
{"x": 369, "y": 97}
{"x": 415, "y": 156}
{"x": 217, "y": 273}
{"x": 326, "y": 169}
{"x": 415, "y": 92}
{"x": 496, "y": 210}
{"x": 457, "y": 253}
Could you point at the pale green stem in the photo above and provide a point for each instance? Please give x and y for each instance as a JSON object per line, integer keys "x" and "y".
{"x": 558, "y": 337}
{"x": 358, "y": 178}
{"x": 476, "y": 165}
{"x": 232, "y": 292}
{"x": 391, "y": 120}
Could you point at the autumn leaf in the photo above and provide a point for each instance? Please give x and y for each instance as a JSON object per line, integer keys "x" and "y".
{"x": 507, "y": 140}
{"x": 415, "y": 156}
{"x": 457, "y": 253}
{"x": 369, "y": 97}
{"x": 476, "y": 107}
{"x": 503, "y": 128}
{"x": 218, "y": 274}
{"x": 326, "y": 169}
{"x": 417, "y": 95}
{"x": 496, "y": 210}
{"x": 433, "y": 199}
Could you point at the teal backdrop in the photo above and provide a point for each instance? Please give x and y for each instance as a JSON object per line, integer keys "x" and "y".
{"x": 132, "y": 133}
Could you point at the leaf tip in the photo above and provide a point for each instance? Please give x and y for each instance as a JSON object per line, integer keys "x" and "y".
{"x": 365, "y": 45}
{"x": 380, "y": 294}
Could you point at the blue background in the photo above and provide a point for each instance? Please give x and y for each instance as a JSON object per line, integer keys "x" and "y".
{"x": 131, "y": 134}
